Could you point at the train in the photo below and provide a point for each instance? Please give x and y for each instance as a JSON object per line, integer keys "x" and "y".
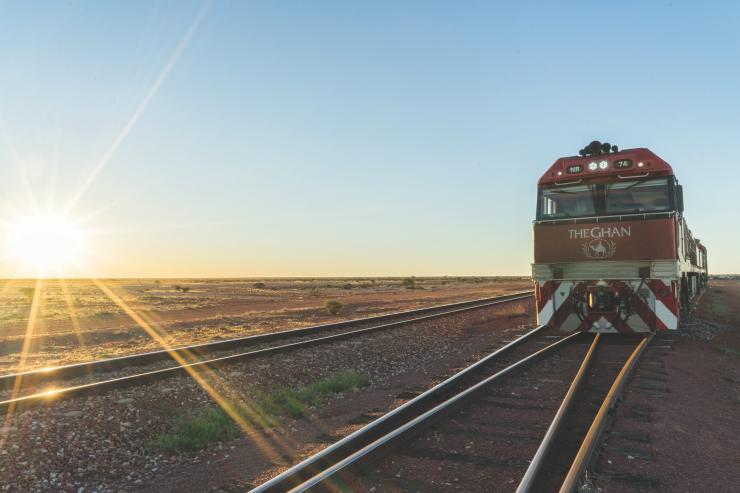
{"x": 612, "y": 249}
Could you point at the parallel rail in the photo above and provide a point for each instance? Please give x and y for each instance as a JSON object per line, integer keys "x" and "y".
{"x": 188, "y": 352}
{"x": 329, "y": 469}
{"x": 537, "y": 473}
{"x": 586, "y": 452}
{"x": 379, "y": 438}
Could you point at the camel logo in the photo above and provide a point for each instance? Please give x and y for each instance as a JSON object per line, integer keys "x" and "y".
{"x": 599, "y": 248}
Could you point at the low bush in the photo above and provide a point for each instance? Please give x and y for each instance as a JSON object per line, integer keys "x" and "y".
{"x": 195, "y": 432}
{"x": 333, "y": 307}
{"x": 292, "y": 402}
{"x": 408, "y": 282}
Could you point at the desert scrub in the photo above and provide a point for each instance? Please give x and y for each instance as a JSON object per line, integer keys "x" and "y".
{"x": 292, "y": 402}
{"x": 212, "y": 424}
{"x": 719, "y": 307}
{"x": 332, "y": 307}
{"x": 408, "y": 282}
{"x": 27, "y": 292}
{"x": 259, "y": 285}
{"x": 195, "y": 432}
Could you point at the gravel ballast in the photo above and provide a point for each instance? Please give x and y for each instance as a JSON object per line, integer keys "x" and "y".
{"x": 103, "y": 443}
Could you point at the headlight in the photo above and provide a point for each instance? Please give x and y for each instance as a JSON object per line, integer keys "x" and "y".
{"x": 593, "y": 166}
{"x": 603, "y": 165}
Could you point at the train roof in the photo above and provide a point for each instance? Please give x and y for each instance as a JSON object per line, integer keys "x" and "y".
{"x": 638, "y": 162}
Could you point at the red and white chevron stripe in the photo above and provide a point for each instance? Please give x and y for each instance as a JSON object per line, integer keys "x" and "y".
{"x": 654, "y": 306}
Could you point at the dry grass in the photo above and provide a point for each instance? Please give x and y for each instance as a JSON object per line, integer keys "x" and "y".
{"x": 212, "y": 424}
{"x": 513, "y": 310}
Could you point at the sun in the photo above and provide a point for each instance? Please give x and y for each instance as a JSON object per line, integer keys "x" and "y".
{"x": 49, "y": 243}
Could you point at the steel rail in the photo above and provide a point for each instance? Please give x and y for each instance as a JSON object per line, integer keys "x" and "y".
{"x": 593, "y": 436}
{"x": 145, "y": 377}
{"x": 8, "y": 381}
{"x": 538, "y": 461}
{"x": 400, "y": 424}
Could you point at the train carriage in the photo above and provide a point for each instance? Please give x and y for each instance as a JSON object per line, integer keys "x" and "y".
{"x": 612, "y": 250}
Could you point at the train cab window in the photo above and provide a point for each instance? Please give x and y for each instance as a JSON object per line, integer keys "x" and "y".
{"x": 638, "y": 196}
{"x": 623, "y": 197}
{"x": 570, "y": 201}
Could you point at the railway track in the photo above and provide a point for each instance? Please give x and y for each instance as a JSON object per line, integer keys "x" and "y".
{"x": 576, "y": 429}
{"x": 192, "y": 357}
{"x": 486, "y": 424}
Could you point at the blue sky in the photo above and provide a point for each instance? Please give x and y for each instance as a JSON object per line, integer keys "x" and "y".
{"x": 334, "y": 138}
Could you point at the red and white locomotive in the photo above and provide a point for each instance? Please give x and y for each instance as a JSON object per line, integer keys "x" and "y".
{"x": 612, "y": 251}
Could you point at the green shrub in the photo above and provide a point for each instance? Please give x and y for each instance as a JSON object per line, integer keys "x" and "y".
{"x": 333, "y": 307}
{"x": 408, "y": 282}
{"x": 212, "y": 424}
{"x": 291, "y": 402}
{"x": 195, "y": 432}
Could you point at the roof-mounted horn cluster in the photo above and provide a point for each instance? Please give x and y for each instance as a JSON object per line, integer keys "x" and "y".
{"x": 596, "y": 148}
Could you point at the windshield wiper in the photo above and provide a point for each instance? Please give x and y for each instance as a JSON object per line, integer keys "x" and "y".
{"x": 639, "y": 181}
{"x": 561, "y": 191}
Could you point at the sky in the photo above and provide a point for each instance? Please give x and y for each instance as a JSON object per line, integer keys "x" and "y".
{"x": 234, "y": 139}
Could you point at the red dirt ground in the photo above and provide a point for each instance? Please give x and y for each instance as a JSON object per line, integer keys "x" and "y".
{"x": 209, "y": 310}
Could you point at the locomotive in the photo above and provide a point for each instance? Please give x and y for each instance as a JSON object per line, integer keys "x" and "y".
{"x": 612, "y": 250}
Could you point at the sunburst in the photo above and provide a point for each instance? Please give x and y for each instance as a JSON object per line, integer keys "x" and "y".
{"x": 48, "y": 243}
{"x": 54, "y": 243}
